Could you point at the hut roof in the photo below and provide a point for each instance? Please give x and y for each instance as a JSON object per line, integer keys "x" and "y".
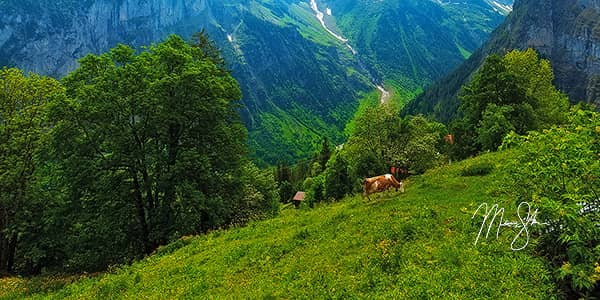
{"x": 299, "y": 196}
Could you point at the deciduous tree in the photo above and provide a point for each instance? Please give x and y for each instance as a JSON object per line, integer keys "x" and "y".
{"x": 23, "y": 131}
{"x": 156, "y": 137}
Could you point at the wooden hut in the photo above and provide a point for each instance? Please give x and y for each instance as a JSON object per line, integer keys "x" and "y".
{"x": 298, "y": 198}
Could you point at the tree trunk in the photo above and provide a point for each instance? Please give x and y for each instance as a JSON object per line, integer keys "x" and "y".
{"x": 150, "y": 199}
{"x": 12, "y": 249}
{"x": 169, "y": 188}
{"x": 8, "y": 248}
{"x": 3, "y": 256}
{"x": 141, "y": 213}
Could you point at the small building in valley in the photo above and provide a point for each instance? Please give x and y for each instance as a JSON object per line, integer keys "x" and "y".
{"x": 298, "y": 198}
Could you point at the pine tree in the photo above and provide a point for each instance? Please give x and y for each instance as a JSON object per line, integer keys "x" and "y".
{"x": 325, "y": 153}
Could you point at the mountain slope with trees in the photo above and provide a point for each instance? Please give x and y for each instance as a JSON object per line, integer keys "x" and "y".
{"x": 408, "y": 44}
{"x": 420, "y": 243}
{"x": 411, "y": 245}
{"x": 134, "y": 151}
{"x": 298, "y": 82}
{"x": 565, "y": 32}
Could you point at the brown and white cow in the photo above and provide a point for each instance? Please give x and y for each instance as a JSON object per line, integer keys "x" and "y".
{"x": 381, "y": 183}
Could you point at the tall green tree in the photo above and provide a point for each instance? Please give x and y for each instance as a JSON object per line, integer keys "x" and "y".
{"x": 156, "y": 136}
{"x": 209, "y": 49}
{"x": 23, "y": 131}
{"x": 381, "y": 139}
{"x": 325, "y": 152}
{"x": 510, "y": 93}
{"x": 494, "y": 125}
{"x": 337, "y": 179}
{"x": 536, "y": 77}
{"x": 283, "y": 175}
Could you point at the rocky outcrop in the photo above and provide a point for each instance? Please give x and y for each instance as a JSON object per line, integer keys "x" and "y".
{"x": 568, "y": 33}
{"x": 49, "y": 40}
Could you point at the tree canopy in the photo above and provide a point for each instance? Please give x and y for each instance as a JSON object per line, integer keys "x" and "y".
{"x": 133, "y": 150}
{"x": 510, "y": 93}
{"x": 23, "y": 132}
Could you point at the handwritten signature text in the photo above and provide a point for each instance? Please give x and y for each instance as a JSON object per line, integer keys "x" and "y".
{"x": 527, "y": 219}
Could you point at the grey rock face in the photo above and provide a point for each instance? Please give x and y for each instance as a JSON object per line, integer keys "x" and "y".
{"x": 568, "y": 33}
{"x": 49, "y": 42}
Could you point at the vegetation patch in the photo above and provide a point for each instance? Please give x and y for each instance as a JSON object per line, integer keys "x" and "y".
{"x": 477, "y": 169}
{"x": 411, "y": 245}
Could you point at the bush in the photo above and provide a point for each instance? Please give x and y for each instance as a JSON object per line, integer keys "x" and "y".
{"x": 314, "y": 188}
{"x": 337, "y": 182}
{"x": 558, "y": 171}
{"x": 479, "y": 169}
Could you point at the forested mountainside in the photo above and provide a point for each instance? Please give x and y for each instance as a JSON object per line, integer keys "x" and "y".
{"x": 411, "y": 43}
{"x": 299, "y": 81}
{"x": 566, "y": 32}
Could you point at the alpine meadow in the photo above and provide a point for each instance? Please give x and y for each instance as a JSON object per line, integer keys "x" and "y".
{"x": 299, "y": 149}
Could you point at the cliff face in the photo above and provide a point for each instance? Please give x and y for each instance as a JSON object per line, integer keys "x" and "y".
{"x": 48, "y": 40}
{"x": 567, "y": 32}
{"x": 261, "y": 49}
{"x": 264, "y": 42}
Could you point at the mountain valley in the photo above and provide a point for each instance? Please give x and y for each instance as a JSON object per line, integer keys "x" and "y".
{"x": 300, "y": 81}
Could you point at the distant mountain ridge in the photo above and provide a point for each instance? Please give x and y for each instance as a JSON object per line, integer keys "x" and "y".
{"x": 567, "y": 32}
{"x": 299, "y": 82}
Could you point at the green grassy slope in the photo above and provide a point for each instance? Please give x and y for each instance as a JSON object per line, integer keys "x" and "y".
{"x": 413, "y": 245}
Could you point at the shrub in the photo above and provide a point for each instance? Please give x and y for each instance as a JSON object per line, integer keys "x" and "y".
{"x": 479, "y": 169}
{"x": 558, "y": 171}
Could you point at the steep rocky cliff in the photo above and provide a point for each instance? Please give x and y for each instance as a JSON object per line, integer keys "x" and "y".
{"x": 567, "y": 32}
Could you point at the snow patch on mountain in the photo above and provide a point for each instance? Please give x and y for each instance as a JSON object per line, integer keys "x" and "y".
{"x": 321, "y": 17}
{"x": 500, "y": 8}
{"x": 385, "y": 95}
{"x": 503, "y": 7}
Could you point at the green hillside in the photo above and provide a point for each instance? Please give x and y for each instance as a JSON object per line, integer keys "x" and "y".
{"x": 415, "y": 245}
